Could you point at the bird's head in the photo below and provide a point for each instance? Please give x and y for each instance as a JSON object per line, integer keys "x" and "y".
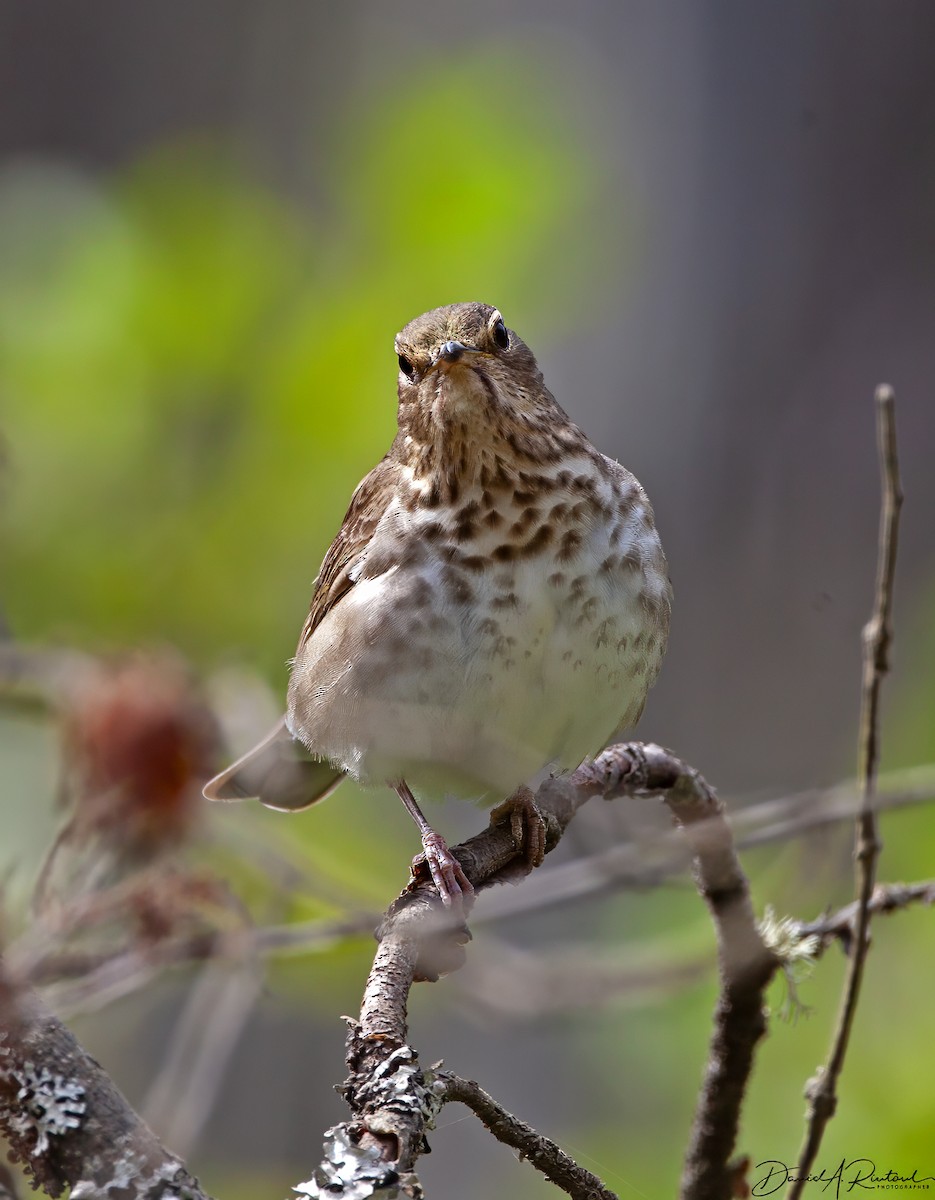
{"x": 462, "y": 364}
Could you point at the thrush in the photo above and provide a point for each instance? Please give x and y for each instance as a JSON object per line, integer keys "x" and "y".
{"x": 495, "y": 604}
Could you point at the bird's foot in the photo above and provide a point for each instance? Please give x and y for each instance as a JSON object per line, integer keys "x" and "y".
{"x": 527, "y": 825}
{"x": 454, "y": 887}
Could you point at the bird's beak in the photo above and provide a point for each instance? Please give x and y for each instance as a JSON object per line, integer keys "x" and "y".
{"x": 451, "y": 352}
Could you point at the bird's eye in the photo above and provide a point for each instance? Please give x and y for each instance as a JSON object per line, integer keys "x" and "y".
{"x": 405, "y": 365}
{"x": 500, "y": 335}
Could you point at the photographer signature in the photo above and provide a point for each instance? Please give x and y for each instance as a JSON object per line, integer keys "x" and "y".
{"x": 858, "y": 1173}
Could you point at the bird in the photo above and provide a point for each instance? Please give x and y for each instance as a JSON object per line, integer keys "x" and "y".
{"x": 494, "y": 607}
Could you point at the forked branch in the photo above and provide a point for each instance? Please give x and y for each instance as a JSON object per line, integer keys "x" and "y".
{"x": 394, "y": 1102}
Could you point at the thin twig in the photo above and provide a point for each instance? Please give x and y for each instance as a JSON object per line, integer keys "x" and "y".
{"x": 541, "y": 1151}
{"x": 182, "y": 1096}
{"x": 877, "y": 636}
{"x": 887, "y": 898}
{"x": 40, "y": 889}
{"x": 75, "y": 982}
{"x": 506, "y": 983}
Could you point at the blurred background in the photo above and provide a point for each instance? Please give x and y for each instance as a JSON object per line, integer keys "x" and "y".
{"x": 713, "y": 224}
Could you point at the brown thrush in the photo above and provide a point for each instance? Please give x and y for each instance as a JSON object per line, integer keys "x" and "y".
{"x": 496, "y": 601}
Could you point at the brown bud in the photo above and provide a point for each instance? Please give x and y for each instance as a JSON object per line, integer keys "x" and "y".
{"x": 137, "y": 743}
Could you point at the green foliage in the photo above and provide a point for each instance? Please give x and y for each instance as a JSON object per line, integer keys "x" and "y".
{"x": 195, "y": 374}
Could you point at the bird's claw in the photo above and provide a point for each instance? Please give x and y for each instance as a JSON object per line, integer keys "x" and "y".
{"x": 454, "y": 887}
{"x": 527, "y": 825}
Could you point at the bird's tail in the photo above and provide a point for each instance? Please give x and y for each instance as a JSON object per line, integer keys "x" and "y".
{"x": 278, "y": 772}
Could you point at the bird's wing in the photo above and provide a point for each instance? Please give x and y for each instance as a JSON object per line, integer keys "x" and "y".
{"x": 279, "y": 772}
{"x": 337, "y": 577}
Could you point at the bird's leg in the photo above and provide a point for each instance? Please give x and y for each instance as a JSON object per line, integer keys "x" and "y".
{"x": 453, "y": 885}
{"x": 526, "y": 824}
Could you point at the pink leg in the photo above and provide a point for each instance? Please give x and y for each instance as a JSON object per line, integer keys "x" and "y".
{"x": 453, "y": 885}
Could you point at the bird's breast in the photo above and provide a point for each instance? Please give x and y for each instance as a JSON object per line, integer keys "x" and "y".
{"x": 482, "y": 643}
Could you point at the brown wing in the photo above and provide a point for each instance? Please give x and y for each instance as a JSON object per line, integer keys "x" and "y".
{"x": 367, "y": 506}
{"x": 279, "y": 771}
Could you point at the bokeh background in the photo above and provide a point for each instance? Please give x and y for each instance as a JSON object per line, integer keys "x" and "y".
{"x": 713, "y": 223}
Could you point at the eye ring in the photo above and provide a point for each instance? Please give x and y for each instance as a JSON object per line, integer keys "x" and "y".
{"x": 405, "y": 365}
{"x": 500, "y": 334}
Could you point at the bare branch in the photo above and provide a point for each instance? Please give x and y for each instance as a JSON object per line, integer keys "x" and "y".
{"x": 541, "y": 1151}
{"x": 394, "y": 1102}
{"x": 652, "y": 861}
{"x": 65, "y": 1120}
{"x": 506, "y": 982}
{"x": 821, "y": 1091}
{"x": 79, "y": 981}
{"x": 745, "y": 964}
{"x": 887, "y": 898}
{"x": 182, "y": 1097}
